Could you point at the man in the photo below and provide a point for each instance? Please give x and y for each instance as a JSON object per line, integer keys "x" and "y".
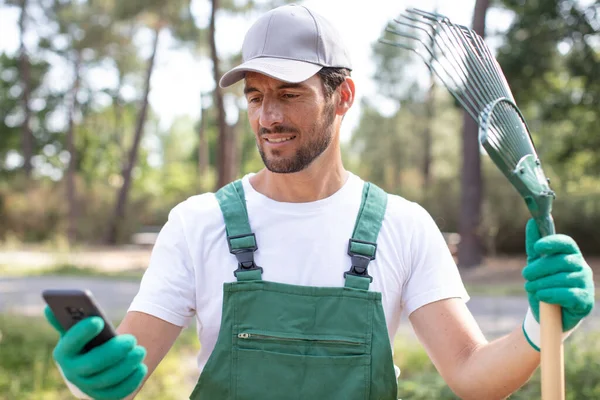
{"x": 298, "y": 274}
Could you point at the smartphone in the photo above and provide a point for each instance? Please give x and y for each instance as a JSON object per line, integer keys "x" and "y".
{"x": 71, "y": 306}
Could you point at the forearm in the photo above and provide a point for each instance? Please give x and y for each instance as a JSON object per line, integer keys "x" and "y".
{"x": 496, "y": 369}
{"x": 157, "y": 337}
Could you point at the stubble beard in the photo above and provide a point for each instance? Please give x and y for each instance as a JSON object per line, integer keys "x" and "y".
{"x": 322, "y": 133}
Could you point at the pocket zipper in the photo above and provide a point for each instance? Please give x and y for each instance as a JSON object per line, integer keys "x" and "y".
{"x": 271, "y": 337}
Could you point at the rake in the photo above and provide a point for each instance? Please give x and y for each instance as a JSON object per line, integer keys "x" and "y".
{"x": 462, "y": 61}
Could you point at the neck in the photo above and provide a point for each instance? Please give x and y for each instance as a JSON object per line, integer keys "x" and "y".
{"x": 322, "y": 178}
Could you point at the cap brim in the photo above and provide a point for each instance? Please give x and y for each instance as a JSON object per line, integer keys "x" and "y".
{"x": 283, "y": 69}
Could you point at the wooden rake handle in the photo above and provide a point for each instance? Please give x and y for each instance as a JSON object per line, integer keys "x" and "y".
{"x": 552, "y": 364}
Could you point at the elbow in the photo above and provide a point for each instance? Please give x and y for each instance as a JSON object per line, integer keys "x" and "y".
{"x": 469, "y": 392}
{"x": 468, "y": 383}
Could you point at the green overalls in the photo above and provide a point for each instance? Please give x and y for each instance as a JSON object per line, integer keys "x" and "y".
{"x": 280, "y": 341}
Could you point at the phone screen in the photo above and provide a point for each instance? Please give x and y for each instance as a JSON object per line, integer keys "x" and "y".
{"x": 71, "y": 306}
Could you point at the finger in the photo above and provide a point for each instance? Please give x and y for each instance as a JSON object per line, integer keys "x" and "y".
{"x": 551, "y": 265}
{"x": 53, "y": 321}
{"x": 532, "y": 235}
{"x": 77, "y": 337}
{"x": 560, "y": 280}
{"x": 113, "y": 376}
{"x": 556, "y": 244}
{"x": 125, "y": 387}
{"x": 576, "y": 300}
{"x": 104, "y": 356}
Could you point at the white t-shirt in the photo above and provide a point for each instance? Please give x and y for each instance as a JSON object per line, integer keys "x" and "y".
{"x": 300, "y": 244}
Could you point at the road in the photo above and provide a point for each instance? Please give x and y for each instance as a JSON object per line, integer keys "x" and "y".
{"x": 497, "y": 315}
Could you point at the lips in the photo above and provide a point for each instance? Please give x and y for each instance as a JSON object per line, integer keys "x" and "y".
{"x": 278, "y": 139}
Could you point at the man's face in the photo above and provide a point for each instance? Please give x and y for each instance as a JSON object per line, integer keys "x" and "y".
{"x": 293, "y": 123}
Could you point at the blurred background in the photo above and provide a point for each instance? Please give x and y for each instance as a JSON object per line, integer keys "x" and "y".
{"x": 110, "y": 116}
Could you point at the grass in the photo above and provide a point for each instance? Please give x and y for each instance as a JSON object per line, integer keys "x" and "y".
{"x": 419, "y": 379}
{"x": 27, "y": 371}
{"x": 495, "y": 289}
{"x": 72, "y": 270}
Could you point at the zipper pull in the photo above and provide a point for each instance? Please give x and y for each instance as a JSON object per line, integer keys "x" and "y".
{"x": 243, "y": 335}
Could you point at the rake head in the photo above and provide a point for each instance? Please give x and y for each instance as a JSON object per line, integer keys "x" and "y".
{"x": 463, "y": 62}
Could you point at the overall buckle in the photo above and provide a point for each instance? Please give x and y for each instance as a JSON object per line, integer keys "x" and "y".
{"x": 245, "y": 256}
{"x": 360, "y": 262}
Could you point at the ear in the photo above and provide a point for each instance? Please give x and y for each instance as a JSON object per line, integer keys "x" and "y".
{"x": 345, "y": 96}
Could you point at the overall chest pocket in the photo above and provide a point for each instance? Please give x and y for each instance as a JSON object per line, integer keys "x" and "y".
{"x": 275, "y": 366}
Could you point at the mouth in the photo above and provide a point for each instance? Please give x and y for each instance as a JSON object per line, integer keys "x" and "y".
{"x": 279, "y": 139}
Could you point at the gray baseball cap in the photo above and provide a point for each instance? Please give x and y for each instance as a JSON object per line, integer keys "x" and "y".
{"x": 290, "y": 43}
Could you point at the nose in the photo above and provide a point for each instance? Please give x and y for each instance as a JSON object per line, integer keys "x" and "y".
{"x": 271, "y": 113}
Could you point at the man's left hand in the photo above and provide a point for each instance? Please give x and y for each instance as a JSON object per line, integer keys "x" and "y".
{"x": 557, "y": 273}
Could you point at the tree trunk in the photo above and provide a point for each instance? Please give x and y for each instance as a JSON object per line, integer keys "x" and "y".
{"x": 118, "y": 113}
{"x": 224, "y": 164}
{"x": 70, "y": 183}
{"x": 119, "y": 213}
{"x": 202, "y": 142}
{"x": 26, "y": 136}
{"x": 470, "y": 251}
{"x": 234, "y": 149}
{"x": 427, "y": 134}
{"x": 427, "y": 137}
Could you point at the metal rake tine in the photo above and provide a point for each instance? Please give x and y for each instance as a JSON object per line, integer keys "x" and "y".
{"x": 476, "y": 60}
{"x": 469, "y": 95}
{"x": 495, "y": 141}
{"x": 459, "y": 66}
{"x": 511, "y": 136}
{"x": 496, "y": 66}
{"x": 427, "y": 14}
{"x": 447, "y": 27}
{"x": 472, "y": 108}
{"x": 457, "y": 33}
{"x": 488, "y": 62}
{"x": 509, "y": 133}
{"x": 500, "y": 122}
{"x": 460, "y": 34}
{"x": 477, "y": 56}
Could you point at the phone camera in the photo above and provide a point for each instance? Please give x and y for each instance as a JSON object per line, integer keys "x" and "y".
{"x": 76, "y": 313}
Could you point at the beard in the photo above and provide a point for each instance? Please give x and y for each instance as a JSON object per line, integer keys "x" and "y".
{"x": 322, "y": 133}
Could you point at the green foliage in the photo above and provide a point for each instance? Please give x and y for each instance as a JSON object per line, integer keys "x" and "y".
{"x": 27, "y": 370}
{"x": 420, "y": 381}
{"x": 11, "y": 113}
{"x": 551, "y": 58}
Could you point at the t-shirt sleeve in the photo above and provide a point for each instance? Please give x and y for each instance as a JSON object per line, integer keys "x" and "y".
{"x": 433, "y": 274}
{"x": 167, "y": 289}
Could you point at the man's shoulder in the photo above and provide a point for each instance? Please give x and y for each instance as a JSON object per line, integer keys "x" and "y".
{"x": 199, "y": 209}
{"x": 409, "y": 214}
{"x": 398, "y": 206}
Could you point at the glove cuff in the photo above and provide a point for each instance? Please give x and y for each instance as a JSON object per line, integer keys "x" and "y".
{"x": 533, "y": 333}
{"x": 72, "y": 388}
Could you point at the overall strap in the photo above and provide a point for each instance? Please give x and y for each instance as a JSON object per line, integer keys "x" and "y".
{"x": 363, "y": 245}
{"x": 241, "y": 240}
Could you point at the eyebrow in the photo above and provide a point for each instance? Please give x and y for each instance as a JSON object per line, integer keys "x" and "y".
{"x": 250, "y": 89}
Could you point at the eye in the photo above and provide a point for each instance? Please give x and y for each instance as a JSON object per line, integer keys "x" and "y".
{"x": 290, "y": 95}
{"x": 254, "y": 99}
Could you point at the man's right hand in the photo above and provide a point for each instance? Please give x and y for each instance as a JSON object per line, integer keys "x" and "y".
{"x": 110, "y": 371}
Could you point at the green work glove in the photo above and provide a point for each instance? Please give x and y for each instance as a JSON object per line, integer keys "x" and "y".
{"x": 556, "y": 273}
{"x": 112, "y": 370}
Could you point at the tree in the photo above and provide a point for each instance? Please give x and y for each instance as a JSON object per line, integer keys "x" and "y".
{"x": 551, "y": 58}
{"x": 226, "y": 134}
{"x": 156, "y": 15}
{"x": 470, "y": 250}
{"x": 119, "y": 213}
{"x": 85, "y": 33}
{"x": 25, "y": 73}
